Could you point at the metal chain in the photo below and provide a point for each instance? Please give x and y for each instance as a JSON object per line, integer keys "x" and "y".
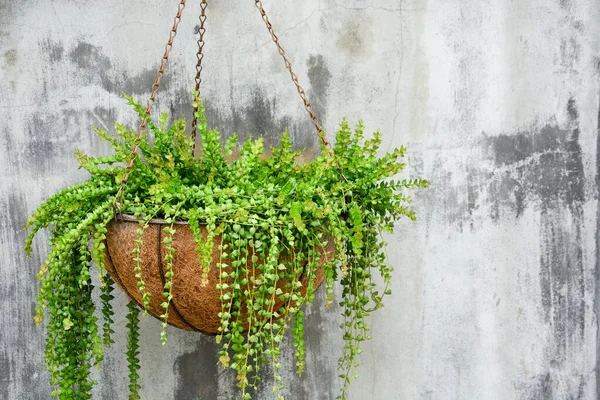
{"x": 118, "y": 202}
{"x": 199, "y": 56}
{"x": 288, "y": 65}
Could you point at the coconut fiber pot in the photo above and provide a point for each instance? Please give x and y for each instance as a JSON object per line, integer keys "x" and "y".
{"x": 194, "y": 307}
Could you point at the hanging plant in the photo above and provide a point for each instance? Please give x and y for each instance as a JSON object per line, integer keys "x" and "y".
{"x": 230, "y": 248}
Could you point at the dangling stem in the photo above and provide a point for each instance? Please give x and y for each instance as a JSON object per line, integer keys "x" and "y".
{"x": 133, "y": 350}
{"x": 107, "y": 310}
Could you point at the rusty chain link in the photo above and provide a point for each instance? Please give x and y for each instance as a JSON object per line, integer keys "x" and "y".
{"x": 199, "y": 56}
{"x": 118, "y": 202}
{"x": 288, "y": 65}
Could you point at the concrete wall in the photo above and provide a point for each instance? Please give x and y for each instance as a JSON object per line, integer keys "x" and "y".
{"x": 495, "y": 287}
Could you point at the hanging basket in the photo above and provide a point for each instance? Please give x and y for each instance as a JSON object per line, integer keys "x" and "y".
{"x": 194, "y": 307}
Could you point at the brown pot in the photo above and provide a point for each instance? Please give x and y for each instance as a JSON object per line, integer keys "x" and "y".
{"x": 194, "y": 307}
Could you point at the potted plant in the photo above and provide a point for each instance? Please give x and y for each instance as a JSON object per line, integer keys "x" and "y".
{"x": 233, "y": 248}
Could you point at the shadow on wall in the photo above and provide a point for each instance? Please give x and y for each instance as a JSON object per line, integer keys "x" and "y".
{"x": 541, "y": 169}
{"x": 255, "y": 118}
{"x": 197, "y": 372}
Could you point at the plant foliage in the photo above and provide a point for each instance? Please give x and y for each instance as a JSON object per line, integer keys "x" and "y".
{"x": 266, "y": 209}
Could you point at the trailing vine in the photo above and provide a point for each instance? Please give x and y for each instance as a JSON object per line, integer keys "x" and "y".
{"x": 270, "y": 219}
{"x": 168, "y": 286}
{"x": 137, "y": 269}
{"x": 107, "y": 310}
{"x": 133, "y": 350}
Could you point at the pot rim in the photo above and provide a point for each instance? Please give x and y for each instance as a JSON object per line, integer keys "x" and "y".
{"x": 156, "y": 221}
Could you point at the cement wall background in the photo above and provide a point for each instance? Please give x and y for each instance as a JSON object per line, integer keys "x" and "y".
{"x": 495, "y": 290}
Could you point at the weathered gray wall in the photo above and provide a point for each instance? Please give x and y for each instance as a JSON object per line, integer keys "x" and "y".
{"x": 495, "y": 288}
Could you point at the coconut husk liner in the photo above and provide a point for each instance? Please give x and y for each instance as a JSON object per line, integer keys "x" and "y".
{"x": 194, "y": 307}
